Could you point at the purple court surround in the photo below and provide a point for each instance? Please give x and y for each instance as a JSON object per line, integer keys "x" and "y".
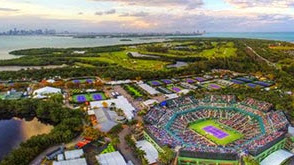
{"x": 89, "y": 81}
{"x": 76, "y": 81}
{"x": 155, "y": 83}
{"x": 200, "y": 79}
{"x": 81, "y": 98}
{"x": 215, "y": 132}
{"x": 167, "y": 81}
{"x": 190, "y": 80}
{"x": 176, "y": 89}
{"x": 214, "y": 86}
{"x": 97, "y": 97}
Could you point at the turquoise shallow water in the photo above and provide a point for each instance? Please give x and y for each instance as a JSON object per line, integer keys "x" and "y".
{"x": 9, "y": 43}
{"x": 283, "y": 36}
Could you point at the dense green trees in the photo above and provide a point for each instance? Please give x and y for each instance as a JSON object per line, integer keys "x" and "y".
{"x": 166, "y": 156}
{"x": 67, "y": 125}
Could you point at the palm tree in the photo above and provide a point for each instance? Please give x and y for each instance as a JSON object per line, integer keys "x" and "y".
{"x": 166, "y": 156}
{"x": 140, "y": 153}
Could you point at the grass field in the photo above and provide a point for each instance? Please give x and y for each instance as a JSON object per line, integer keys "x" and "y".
{"x": 121, "y": 58}
{"x": 110, "y": 148}
{"x": 233, "y": 135}
{"x": 222, "y": 50}
{"x": 133, "y": 91}
{"x": 212, "y": 86}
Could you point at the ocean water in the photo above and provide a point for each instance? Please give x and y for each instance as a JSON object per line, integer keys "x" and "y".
{"x": 281, "y": 36}
{"x": 10, "y": 43}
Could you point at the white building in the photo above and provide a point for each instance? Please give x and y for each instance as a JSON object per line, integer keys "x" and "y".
{"x": 120, "y": 102}
{"x": 113, "y": 158}
{"x": 73, "y": 157}
{"x": 73, "y": 154}
{"x": 80, "y": 161}
{"x": 150, "y": 102}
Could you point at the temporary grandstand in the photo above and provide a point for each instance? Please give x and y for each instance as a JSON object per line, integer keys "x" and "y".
{"x": 216, "y": 129}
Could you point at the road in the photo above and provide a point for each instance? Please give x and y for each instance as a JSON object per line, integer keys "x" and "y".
{"x": 41, "y": 156}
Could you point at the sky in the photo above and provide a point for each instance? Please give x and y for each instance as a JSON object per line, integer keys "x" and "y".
{"x": 148, "y": 15}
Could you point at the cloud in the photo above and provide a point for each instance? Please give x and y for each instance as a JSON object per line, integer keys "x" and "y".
{"x": 112, "y": 11}
{"x": 98, "y": 13}
{"x": 136, "y": 14}
{"x": 188, "y": 4}
{"x": 261, "y": 3}
{"x": 140, "y": 14}
{"x": 80, "y": 13}
{"x": 8, "y": 9}
{"x": 108, "y": 12}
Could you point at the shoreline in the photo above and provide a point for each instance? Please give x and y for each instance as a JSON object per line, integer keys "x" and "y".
{"x": 18, "y": 68}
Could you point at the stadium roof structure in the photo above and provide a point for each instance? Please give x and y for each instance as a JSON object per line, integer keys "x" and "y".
{"x": 277, "y": 157}
{"x": 148, "y": 89}
{"x": 81, "y": 161}
{"x": 120, "y": 102}
{"x": 113, "y": 158}
{"x": 151, "y": 152}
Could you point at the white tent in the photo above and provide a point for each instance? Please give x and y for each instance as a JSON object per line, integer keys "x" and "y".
{"x": 113, "y": 158}
{"x": 46, "y": 90}
{"x": 151, "y": 152}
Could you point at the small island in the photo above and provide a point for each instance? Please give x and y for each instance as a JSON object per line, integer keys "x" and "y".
{"x": 124, "y": 40}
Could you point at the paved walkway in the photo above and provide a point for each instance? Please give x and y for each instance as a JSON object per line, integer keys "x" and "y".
{"x": 124, "y": 148}
{"x": 41, "y": 156}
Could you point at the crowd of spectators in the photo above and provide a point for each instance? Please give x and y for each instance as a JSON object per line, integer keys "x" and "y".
{"x": 169, "y": 123}
{"x": 260, "y": 105}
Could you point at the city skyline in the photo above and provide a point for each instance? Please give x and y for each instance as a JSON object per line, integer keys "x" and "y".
{"x": 148, "y": 15}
